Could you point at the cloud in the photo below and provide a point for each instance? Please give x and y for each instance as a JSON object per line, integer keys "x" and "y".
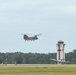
{"x": 71, "y": 9}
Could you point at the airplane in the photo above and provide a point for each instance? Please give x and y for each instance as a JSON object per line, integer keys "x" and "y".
{"x": 32, "y": 38}
{"x": 60, "y": 61}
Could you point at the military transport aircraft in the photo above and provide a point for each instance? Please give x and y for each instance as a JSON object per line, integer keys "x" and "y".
{"x": 59, "y": 61}
{"x": 32, "y": 38}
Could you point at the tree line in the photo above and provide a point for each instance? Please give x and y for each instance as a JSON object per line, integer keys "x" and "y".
{"x": 33, "y": 58}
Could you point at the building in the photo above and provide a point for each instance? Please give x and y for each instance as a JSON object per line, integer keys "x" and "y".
{"x": 60, "y": 51}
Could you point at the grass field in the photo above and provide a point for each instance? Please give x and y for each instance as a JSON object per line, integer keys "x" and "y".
{"x": 38, "y": 69}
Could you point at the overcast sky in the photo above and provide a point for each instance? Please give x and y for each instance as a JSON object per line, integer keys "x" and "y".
{"x": 54, "y": 19}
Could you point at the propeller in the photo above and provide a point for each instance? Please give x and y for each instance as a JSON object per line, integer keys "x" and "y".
{"x": 29, "y": 34}
{"x": 38, "y": 34}
{"x": 23, "y": 34}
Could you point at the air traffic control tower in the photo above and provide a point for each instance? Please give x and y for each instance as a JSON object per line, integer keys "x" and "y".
{"x": 60, "y": 51}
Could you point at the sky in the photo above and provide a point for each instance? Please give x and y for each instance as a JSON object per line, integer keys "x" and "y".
{"x": 54, "y": 19}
